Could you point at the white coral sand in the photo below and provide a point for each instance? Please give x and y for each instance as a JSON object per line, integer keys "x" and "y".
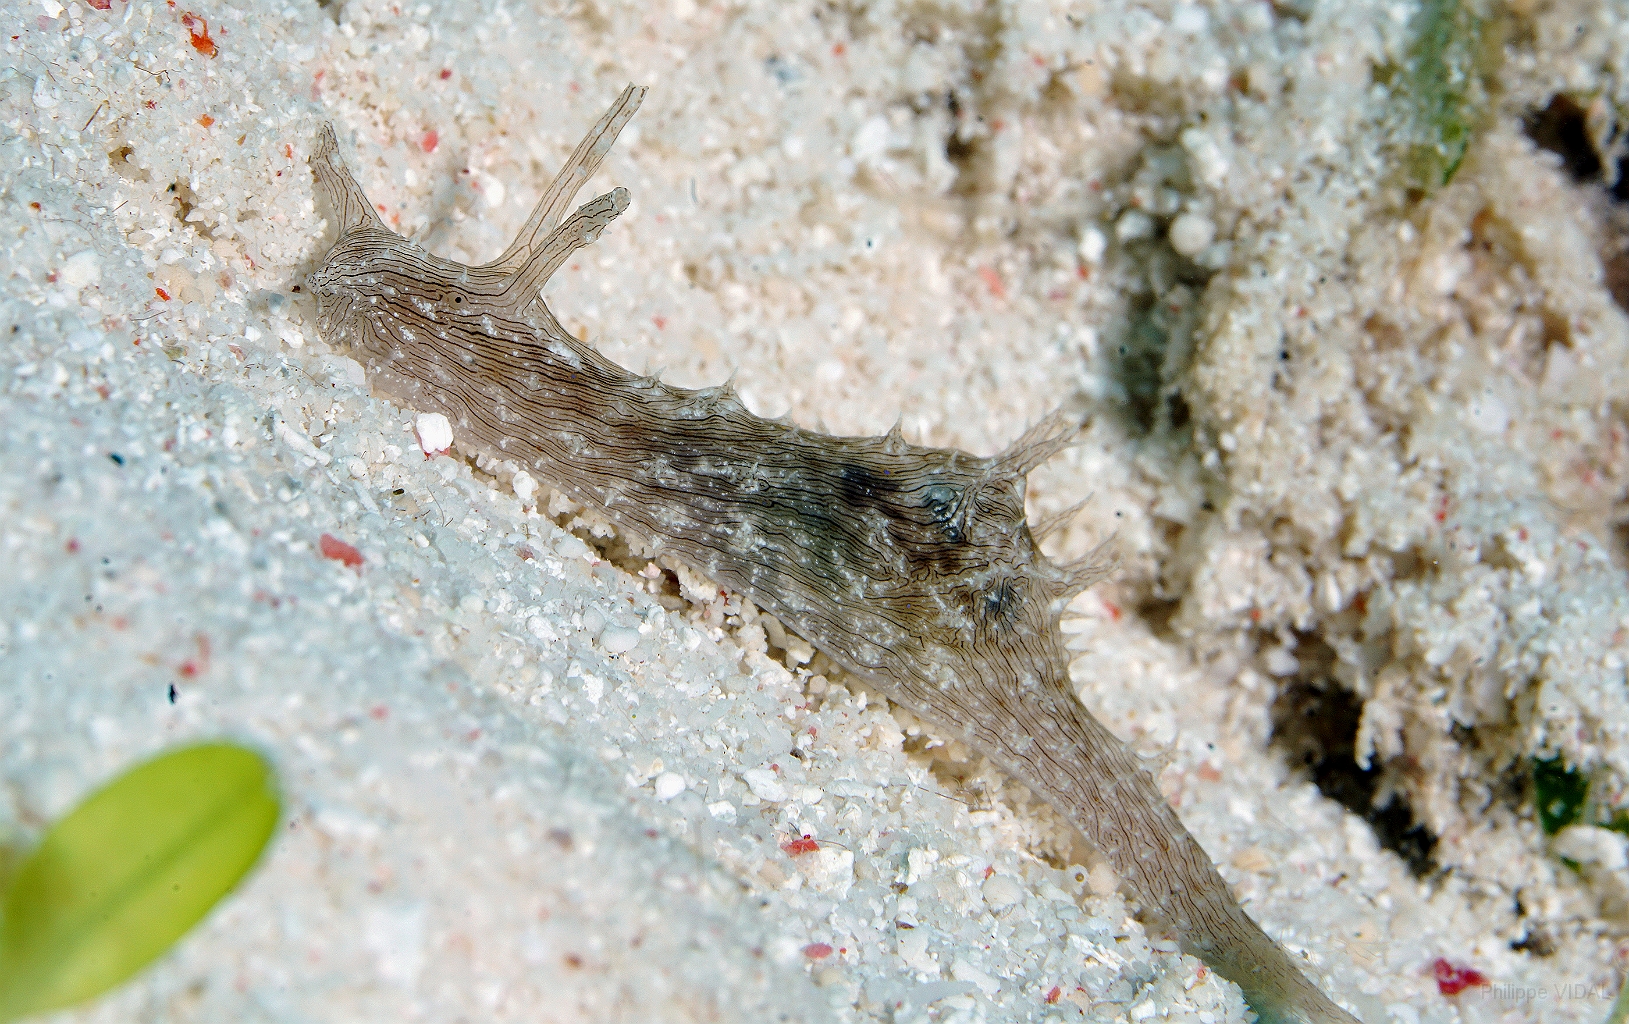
{"x": 532, "y": 779}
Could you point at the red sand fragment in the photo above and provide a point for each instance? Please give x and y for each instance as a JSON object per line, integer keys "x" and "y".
{"x": 1452, "y": 979}
{"x": 992, "y": 281}
{"x": 198, "y": 29}
{"x": 339, "y": 551}
{"x": 797, "y": 847}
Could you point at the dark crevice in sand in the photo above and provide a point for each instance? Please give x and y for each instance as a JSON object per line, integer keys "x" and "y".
{"x": 1315, "y": 724}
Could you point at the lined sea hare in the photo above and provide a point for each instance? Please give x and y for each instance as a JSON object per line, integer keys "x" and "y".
{"x": 912, "y": 567}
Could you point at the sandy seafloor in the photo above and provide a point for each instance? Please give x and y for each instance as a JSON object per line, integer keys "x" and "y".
{"x": 1347, "y": 440}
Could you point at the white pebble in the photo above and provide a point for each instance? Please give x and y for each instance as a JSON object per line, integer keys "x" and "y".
{"x": 488, "y": 187}
{"x": 1488, "y": 414}
{"x": 828, "y": 870}
{"x": 1447, "y": 271}
{"x": 919, "y": 864}
{"x": 1001, "y": 892}
{"x": 1205, "y": 157}
{"x": 81, "y": 269}
{"x": 619, "y": 639}
{"x": 722, "y": 809}
{"x": 593, "y": 688}
{"x": 764, "y": 785}
{"x": 1132, "y": 225}
{"x": 871, "y": 141}
{"x": 1092, "y": 245}
{"x": 961, "y": 970}
{"x": 669, "y": 785}
{"x": 1330, "y": 597}
{"x": 1191, "y": 233}
{"x": 525, "y": 487}
{"x": 434, "y": 432}
{"x": 1102, "y": 879}
{"x": 1591, "y": 845}
{"x": 913, "y": 950}
{"x": 1280, "y": 662}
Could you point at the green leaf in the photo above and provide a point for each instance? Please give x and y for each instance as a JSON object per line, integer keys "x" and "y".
{"x": 1441, "y": 88}
{"x": 1559, "y": 793}
{"x": 123, "y": 876}
{"x": 11, "y": 858}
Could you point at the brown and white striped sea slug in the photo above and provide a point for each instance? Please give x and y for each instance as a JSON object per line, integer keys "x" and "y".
{"x": 912, "y": 567}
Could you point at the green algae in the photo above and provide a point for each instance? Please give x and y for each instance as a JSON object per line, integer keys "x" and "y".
{"x": 1440, "y": 90}
{"x": 1559, "y": 794}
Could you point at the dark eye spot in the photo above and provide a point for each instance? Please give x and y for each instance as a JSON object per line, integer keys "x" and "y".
{"x": 458, "y": 298}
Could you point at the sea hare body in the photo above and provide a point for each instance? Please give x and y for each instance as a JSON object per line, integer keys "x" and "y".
{"x": 910, "y": 566}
